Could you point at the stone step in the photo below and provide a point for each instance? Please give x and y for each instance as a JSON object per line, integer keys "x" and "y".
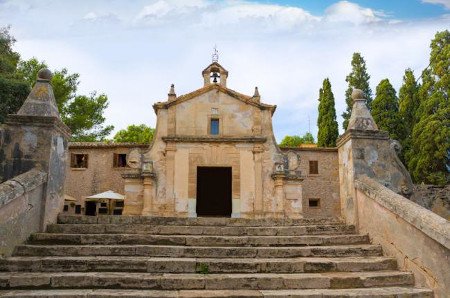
{"x": 195, "y": 240}
{"x": 199, "y": 251}
{"x": 403, "y": 292}
{"x": 260, "y": 281}
{"x": 198, "y": 221}
{"x": 196, "y": 265}
{"x": 200, "y": 230}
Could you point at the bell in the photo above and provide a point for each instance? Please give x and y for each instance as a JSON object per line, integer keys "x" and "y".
{"x": 215, "y": 76}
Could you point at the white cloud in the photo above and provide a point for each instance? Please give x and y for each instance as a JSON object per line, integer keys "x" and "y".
{"x": 345, "y": 11}
{"x": 94, "y": 17}
{"x": 446, "y": 3}
{"x": 285, "y": 51}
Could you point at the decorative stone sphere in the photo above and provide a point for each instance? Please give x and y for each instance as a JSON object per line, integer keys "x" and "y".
{"x": 44, "y": 74}
{"x": 357, "y": 94}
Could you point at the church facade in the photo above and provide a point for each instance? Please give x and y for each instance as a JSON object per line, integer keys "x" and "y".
{"x": 214, "y": 154}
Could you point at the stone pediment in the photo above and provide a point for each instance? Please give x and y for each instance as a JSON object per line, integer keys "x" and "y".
{"x": 236, "y": 95}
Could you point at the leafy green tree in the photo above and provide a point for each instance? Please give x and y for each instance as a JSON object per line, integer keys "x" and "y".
{"x": 82, "y": 114}
{"x": 408, "y": 105}
{"x": 428, "y": 159}
{"x": 328, "y": 126}
{"x": 13, "y": 90}
{"x": 358, "y": 78}
{"x": 141, "y": 134}
{"x": 296, "y": 141}
{"x": 385, "y": 110}
{"x": 308, "y": 138}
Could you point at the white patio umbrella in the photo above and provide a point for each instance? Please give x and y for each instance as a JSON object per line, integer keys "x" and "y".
{"x": 107, "y": 195}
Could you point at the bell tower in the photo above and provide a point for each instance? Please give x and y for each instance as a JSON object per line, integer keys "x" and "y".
{"x": 215, "y": 73}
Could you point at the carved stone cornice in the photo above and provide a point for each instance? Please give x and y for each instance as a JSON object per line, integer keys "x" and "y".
{"x": 287, "y": 177}
{"x": 361, "y": 134}
{"x": 211, "y": 139}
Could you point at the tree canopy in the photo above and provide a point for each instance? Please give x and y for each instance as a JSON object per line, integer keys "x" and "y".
{"x": 328, "y": 126}
{"x": 357, "y": 78}
{"x": 141, "y": 134}
{"x": 13, "y": 90}
{"x": 385, "y": 110}
{"x": 296, "y": 141}
{"x": 428, "y": 159}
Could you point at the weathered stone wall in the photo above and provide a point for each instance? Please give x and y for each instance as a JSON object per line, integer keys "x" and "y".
{"x": 324, "y": 185}
{"x": 434, "y": 198}
{"x": 21, "y": 208}
{"x": 418, "y": 238}
{"x": 100, "y": 175}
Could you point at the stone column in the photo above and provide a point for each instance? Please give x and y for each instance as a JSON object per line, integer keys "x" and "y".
{"x": 148, "y": 194}
{"x": 279, "y": 196}
{"x": 169, "y": 208}
{"x": 258, "y": 203}
{"x": 365, "y": 150}
{"x": 36, "y": 137}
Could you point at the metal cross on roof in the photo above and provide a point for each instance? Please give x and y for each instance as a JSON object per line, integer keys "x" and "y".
{"x": 215, "y": 55}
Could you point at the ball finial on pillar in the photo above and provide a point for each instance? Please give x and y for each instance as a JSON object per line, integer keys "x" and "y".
{"x": 357, "y": 94}
{"x": 44, "y": 74}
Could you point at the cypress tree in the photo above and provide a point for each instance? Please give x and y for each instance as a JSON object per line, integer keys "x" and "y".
{"x": 430, "y": 146}
{"x": 385, "y": 109}
{"x": 358, "y": 78}
{"x": 328, "y": 126}
{"x": 408, "y": 104}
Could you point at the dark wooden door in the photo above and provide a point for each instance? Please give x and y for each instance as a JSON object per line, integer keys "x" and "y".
{"x": 214, "y": 191}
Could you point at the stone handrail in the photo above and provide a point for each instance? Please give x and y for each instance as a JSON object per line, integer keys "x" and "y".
{"x": 429, "y": 223}
{"x": 20, "y": 185}
{"x": 418, "y": 238}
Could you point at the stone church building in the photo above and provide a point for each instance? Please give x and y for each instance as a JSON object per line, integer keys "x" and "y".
{"x": 214, "y": 154}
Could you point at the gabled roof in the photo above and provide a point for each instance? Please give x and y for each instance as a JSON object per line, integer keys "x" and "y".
{"x": 239, "y": 96}
{"x": 215, "y": 64}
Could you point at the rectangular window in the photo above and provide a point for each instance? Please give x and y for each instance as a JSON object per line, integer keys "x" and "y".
{"x": 120, "y": 160}
{"x": 103, "y": 210}
{"x": 79, "y": 161}
{"x": 66, "y": 208}
{"x": 313, "y": 167}
{"x": 314, "y": 203}
{"x": 78, "y": 209}
{"x": 214, "y": 127}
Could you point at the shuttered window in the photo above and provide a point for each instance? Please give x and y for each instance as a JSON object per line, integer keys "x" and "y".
{"x": 313, "y": 167}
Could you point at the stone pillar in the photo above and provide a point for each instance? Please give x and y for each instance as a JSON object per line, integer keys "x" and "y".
{"x": 279, "y": 196}
{"x": 36, "y": 137}
{"x": 147, "y": 195}
{"x": 258, "y": 203}
{"x": 169, "y": 204}
{"x": 365, "y": 150}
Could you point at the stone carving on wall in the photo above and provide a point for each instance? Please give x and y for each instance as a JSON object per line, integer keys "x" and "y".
{"x": 134, "y": 160}
{"x": 293, "y": 159}
{"x": 406, "y": 184}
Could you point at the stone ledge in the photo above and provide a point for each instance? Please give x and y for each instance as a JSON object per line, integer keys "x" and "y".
{"x": 19, "y": 185}
{"x": 432, "y": 225}
{"x": 361, "y": 134}
{"x": 218, "y": 139}
{"x": 42, "y": 121}
{"x": 94, "y": 145}
{"x": 312, "y": 149}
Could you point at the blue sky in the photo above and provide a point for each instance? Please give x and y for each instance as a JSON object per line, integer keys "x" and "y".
{"x": 134, "y": 50}
{"x": 400, "y": 9}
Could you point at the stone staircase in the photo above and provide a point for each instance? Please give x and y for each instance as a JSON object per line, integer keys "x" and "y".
{"x": 133, "y": 256}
